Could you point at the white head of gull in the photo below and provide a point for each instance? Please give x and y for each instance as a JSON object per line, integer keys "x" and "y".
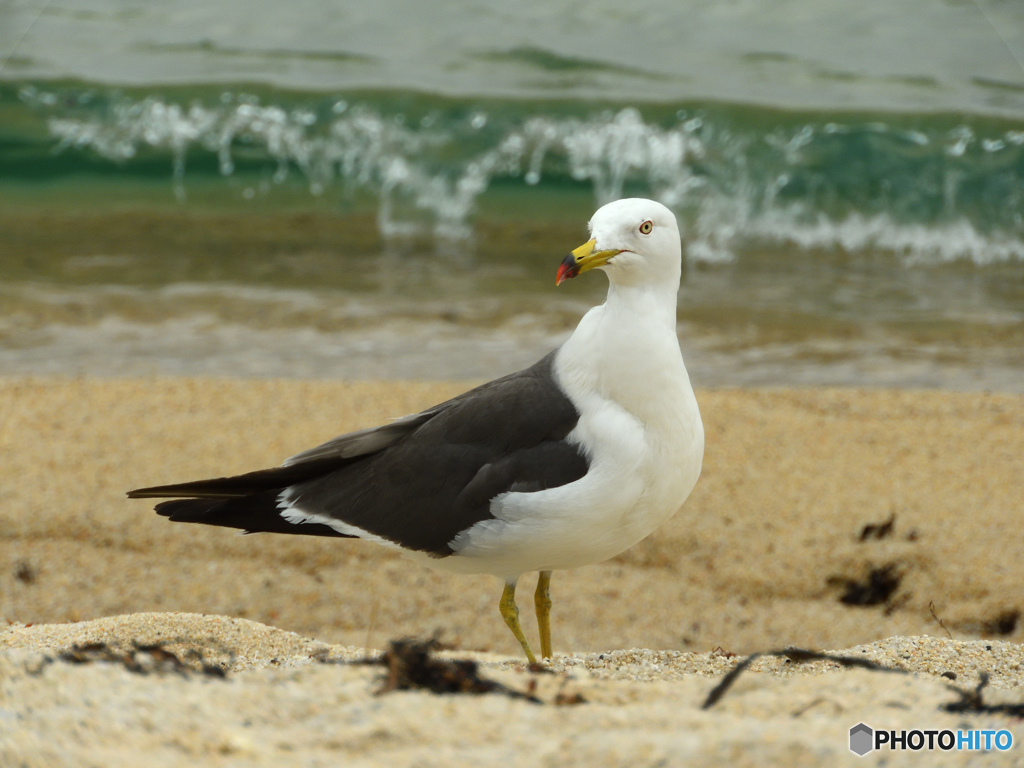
{"x": 564, "y": 464}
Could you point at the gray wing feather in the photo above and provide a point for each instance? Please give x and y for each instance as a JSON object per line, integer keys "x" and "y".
{"x": 363, "y": 442}
{"x": 438, "y": 478}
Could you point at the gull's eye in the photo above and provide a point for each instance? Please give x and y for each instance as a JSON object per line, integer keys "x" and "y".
{"x": 646, "y": 227}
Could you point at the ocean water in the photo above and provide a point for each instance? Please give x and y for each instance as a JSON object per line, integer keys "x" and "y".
{"x": 386, "y": 190}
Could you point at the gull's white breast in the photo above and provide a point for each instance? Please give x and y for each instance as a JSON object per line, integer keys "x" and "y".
{"x": 641, "y": 430}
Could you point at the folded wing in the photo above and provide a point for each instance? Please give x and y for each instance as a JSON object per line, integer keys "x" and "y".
{"x": 416, "y": 482}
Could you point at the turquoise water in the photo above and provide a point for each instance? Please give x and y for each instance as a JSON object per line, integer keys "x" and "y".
{"x": 928, "y": 188}
{"x": 389, "y": 194}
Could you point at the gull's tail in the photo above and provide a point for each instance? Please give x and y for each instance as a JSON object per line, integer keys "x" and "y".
{"x": 249, "y": 502}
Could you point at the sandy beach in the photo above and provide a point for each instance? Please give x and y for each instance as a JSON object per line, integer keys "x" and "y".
{"x": 288, "y": 700}
{"x": 823, "y": 519}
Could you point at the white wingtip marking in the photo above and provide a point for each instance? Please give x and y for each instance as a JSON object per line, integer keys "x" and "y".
{"x": 293, "y": 514}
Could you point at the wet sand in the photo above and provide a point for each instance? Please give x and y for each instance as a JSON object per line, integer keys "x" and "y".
{"x": 761, "y": 556}
{"x": 118, "y": 280}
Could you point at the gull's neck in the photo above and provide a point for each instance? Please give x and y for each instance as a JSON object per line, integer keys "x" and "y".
{"x": 654, "y": 303}
{"x": 626, "y": 350}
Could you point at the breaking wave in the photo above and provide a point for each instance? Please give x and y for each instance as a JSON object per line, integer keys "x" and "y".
{"x": 929, "y": 190}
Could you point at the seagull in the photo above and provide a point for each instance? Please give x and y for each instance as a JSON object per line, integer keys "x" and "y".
{"x": 563, "y": 464}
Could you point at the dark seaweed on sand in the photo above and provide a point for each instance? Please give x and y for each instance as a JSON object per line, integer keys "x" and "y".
{"x": 799, "y": 655}
{"x": 410, "y": 666}
{"x": 140, "y": 658}
{"x": 876, "y": 589}
{"x": 970, "y": 702}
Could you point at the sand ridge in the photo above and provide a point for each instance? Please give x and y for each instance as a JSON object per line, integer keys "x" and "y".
{"x": 280, "y": 704}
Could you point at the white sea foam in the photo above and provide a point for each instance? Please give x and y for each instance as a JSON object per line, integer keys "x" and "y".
{"x": 915, "y": 243}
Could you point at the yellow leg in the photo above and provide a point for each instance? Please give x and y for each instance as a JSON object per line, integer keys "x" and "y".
{"x": 510, "y": 613}
{"x": 542, "y": 601}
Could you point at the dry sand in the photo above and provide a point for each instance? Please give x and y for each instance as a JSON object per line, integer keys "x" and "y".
{"x": 759, "y": 558}
{"x": 279, "y": 705}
